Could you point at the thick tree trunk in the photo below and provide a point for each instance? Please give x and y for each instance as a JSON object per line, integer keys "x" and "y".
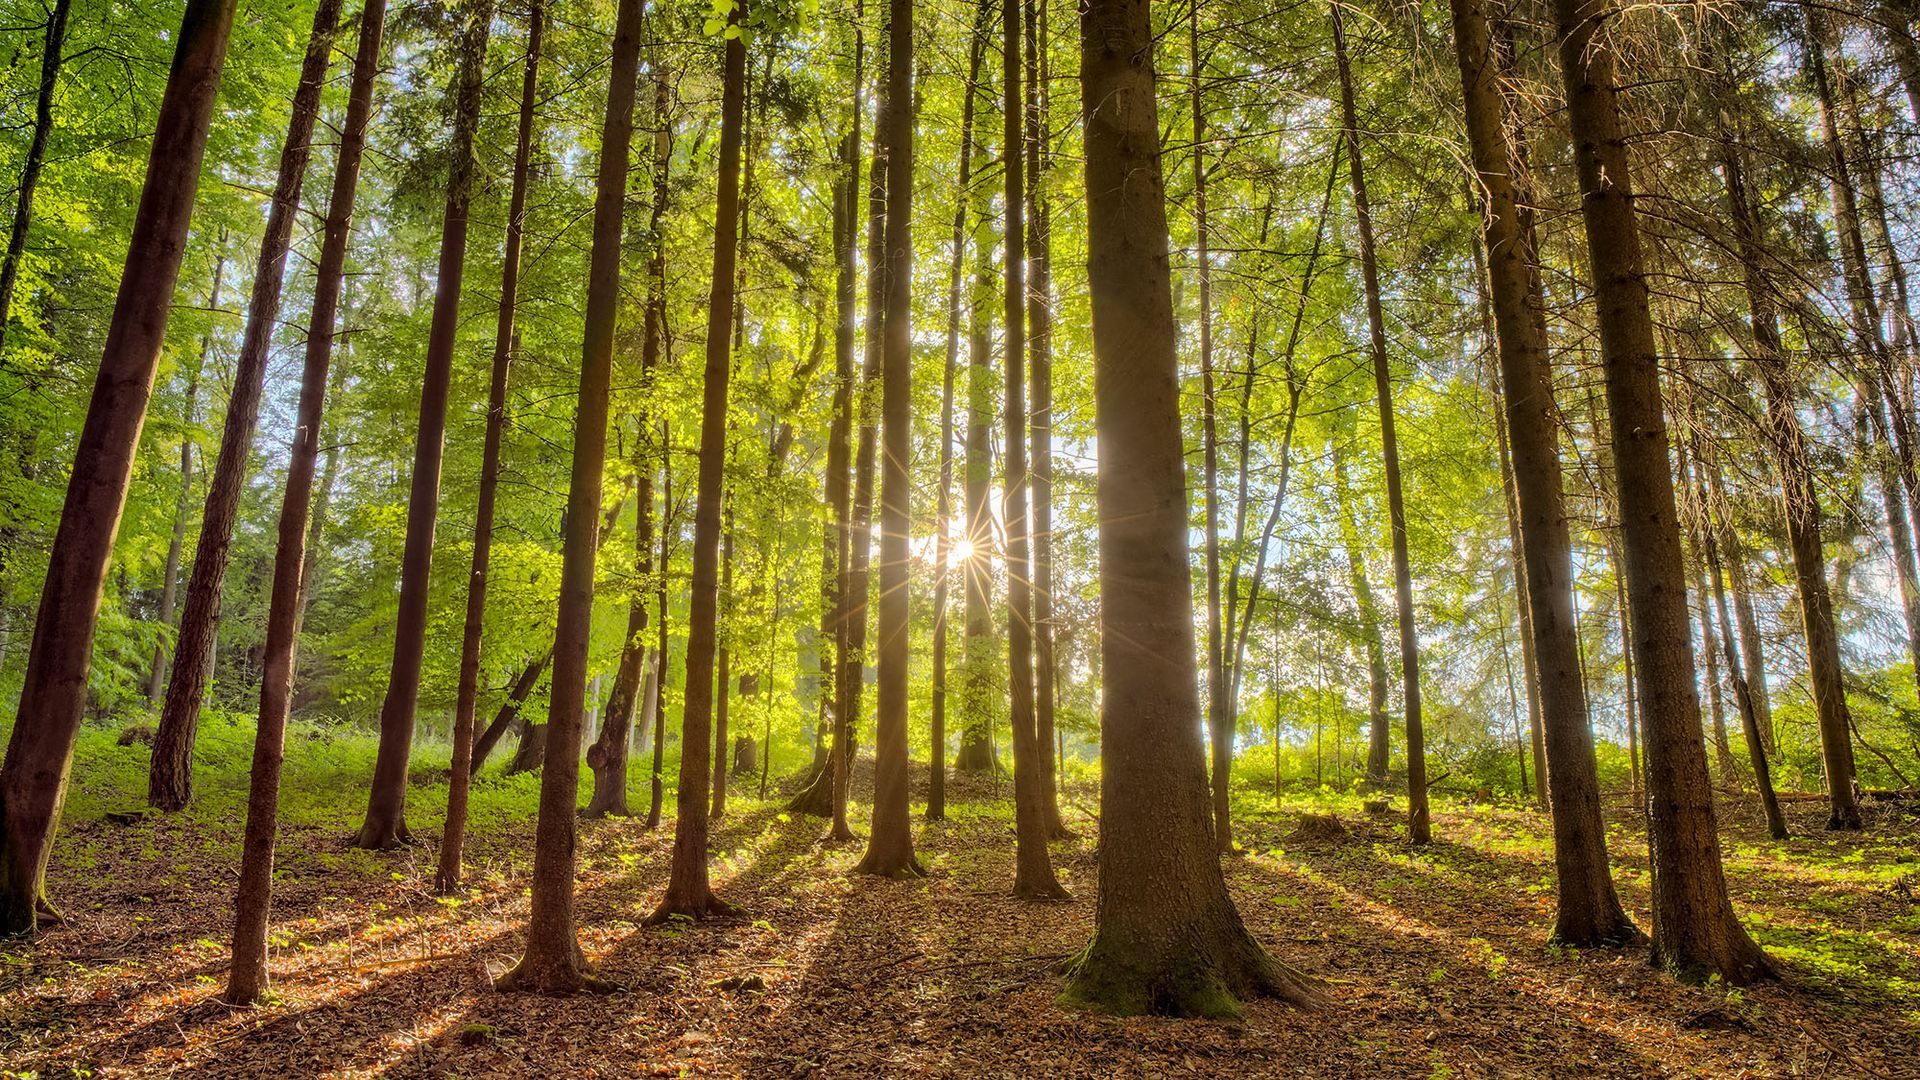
{"x": 183, "y": 507}
{"x": 1419, "y": 828}
{"x": 689, "y": 893}
{"x": 170, "y": 772}
{"x": 1033, "y": 868}
{"x": 447, "y": 878}
{"x": 53, "y": 697}
{"x": 890, "y": 844}
{"x": 1167, "y": 938}
{"x": 386, "y": 824}
{"x": 1695, "y": 931}
{"x": 553, "y": 962}
{"x": 1588, "y": 913}
{"x": 254, "y": 895}
{"x": 52, "y": 55}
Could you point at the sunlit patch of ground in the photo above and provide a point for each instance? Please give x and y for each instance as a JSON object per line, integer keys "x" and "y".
{"x": 1436, "y": 960}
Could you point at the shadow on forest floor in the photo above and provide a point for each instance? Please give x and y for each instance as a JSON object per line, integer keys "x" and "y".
{"x": 1436, "y": 959}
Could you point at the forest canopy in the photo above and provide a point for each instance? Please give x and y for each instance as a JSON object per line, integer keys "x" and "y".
{"x": 1155, "y": 479}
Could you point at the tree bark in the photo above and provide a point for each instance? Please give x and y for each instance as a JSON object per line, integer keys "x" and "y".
{"x": 1419, "y": 827}
{"x": 1040, "y": 390}
{"x": 1167, "y": 938}
{"x": 1378, "y": 736}
{"x": 505, "y": 342}
{"x": 689, "y": 893}
{"x": 52, "y": 56}
{"x": 1695, "y": 931}
{"x": 977, "y": 753}
{"x": 53, "y": 695}
{"x": 656, "y": 793}
{"x": 254, "y": 896}
{"x": 1219, "y": 732}
{"x": 1033, "y": 868}
{"x": 386, "y": 825}
{"x": 553, "y": 962}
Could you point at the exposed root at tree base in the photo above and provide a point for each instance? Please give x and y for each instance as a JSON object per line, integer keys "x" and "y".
{"x": 1105, "y": 980}
{"x": 553, "y": 977}
{"x": 700, "y": 909}
{"x": 891, "y": 867}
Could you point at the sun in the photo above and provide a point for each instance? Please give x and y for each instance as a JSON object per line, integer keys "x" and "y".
{"x": 961, "y": 552}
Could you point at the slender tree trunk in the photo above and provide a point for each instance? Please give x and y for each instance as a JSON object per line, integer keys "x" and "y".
{"x": 253, "y": 898}
{"x": 1040, "y": 352}
{"x": 1167, "y": 938}
{"x": 1588, "y": 912}
{"x": 689, "y": 893}
{"x": 312, "y": 573}
{"x": 505, "y": 343}
{"x": 1377, "y": 734}
{"x": 1895, "y": 19}
{"x": 890, "y": 845}
{"x": 170, "y": 773}
{"x": 52, "y": 55}
{"x": 656, "y": 794}
{"x": 977, "y": 754}
{"x": 1693, "y": 488}
{"x": 509, "y": 711}
{"x": 1419, "y": 829}
{"x": 183, "y": 507}
{"x": 553, "y": 962}
{"x": 53, "y": 697}
{"x": 1033, "y": 868}
{"x": 386, "y": 825}
{"x": 723, "y": 670}
{"x": 1695, "y": 932}
{"x": 943, "y": 549}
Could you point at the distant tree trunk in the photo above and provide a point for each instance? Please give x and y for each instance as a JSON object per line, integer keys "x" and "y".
{"x": 505, "y": 344}
{"x": 656, "y": 793}
{"x": 553, "y": 962}
{"x": 1219, "y": 735}
{"x": 977, "y": 754}
{"x": 1033, "y": 868}
{"x": 1419, "y": 828}
{"x": 170, "y": 590}
{"x": 1378, "y": 736}
{"x": 1895, "y": 19}
{"x": 1693, "y": 490}
{"x": 1167, "y": 938}
{"x": 1040, "y": 352}
{"x": 253, "y": 898}
{"x": 943, "y": 546}
{"x": 386, "y": 825}
{"x": 1695, "y": 931}
{"x": 53, "y": 695}
{"x": 723, "y": 671}
{"x": 509, "y": 712}
{"x": 312, "y": 574}
{"x": 689, "y": 893}
{"x": 1588, "y": 912}
{"x": 1749, "y": 715}
{"x": 52, "y": 55}
{"x": 170, "y": 772}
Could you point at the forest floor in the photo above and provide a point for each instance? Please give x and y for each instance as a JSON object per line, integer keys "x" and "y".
{"x": 1436, "y": 961}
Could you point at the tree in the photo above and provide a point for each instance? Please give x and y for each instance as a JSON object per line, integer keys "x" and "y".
{"x": 890, "y": 845}
{"x": 52, "y": 56}
{"x": 1695, "y": 932}
{"x": 689, "y": 893}
{"x": 385, "y": 825}
{"x": 447, "y": 878}
{"x": 1167, "y": 938}
{"x": 1588, "y": 911}
{"x": 1419, "y": 828}
{"x": 553, "y": 962}
{"x": 170, "y": 772}
{"x": 53, "y": 695}
{"x": 253, "y": 898}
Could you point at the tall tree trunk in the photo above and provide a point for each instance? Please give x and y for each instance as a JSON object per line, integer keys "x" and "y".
{"x": 1040, "y": 352}
{"x": 52, "y": 55}
{"x": 170, "y": 772}
{"x": 1419, "y": 828}
{"x": 656, "y": 793}
{"x": 689, "y": 893}
{"x": 723, "y": 669}
{"x": 312, "y": 573}
{"x": 1588, "y": 912}
{"x": 53, "y": 697}
{"x": 1693, "y": 490}
{"x": 1219, "y": 732}
{"x": 890, "y": 844}
{"x": 1167, "y": 938}
{"x": 183, "y": 507}
{"x": 386, "y": 825}
{"x": 254, "y": 896}
{"x": 1695, "y": 932}
{"x": 608, "y": 757}
{"x": 977, "y": 753}
{"x": 505, "y": 342}
{"x": 1378, "y": 736}
{"x": 553, "y": 962}
{"x": 1033, "y": 876}
{"x": 943, "y": 550}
